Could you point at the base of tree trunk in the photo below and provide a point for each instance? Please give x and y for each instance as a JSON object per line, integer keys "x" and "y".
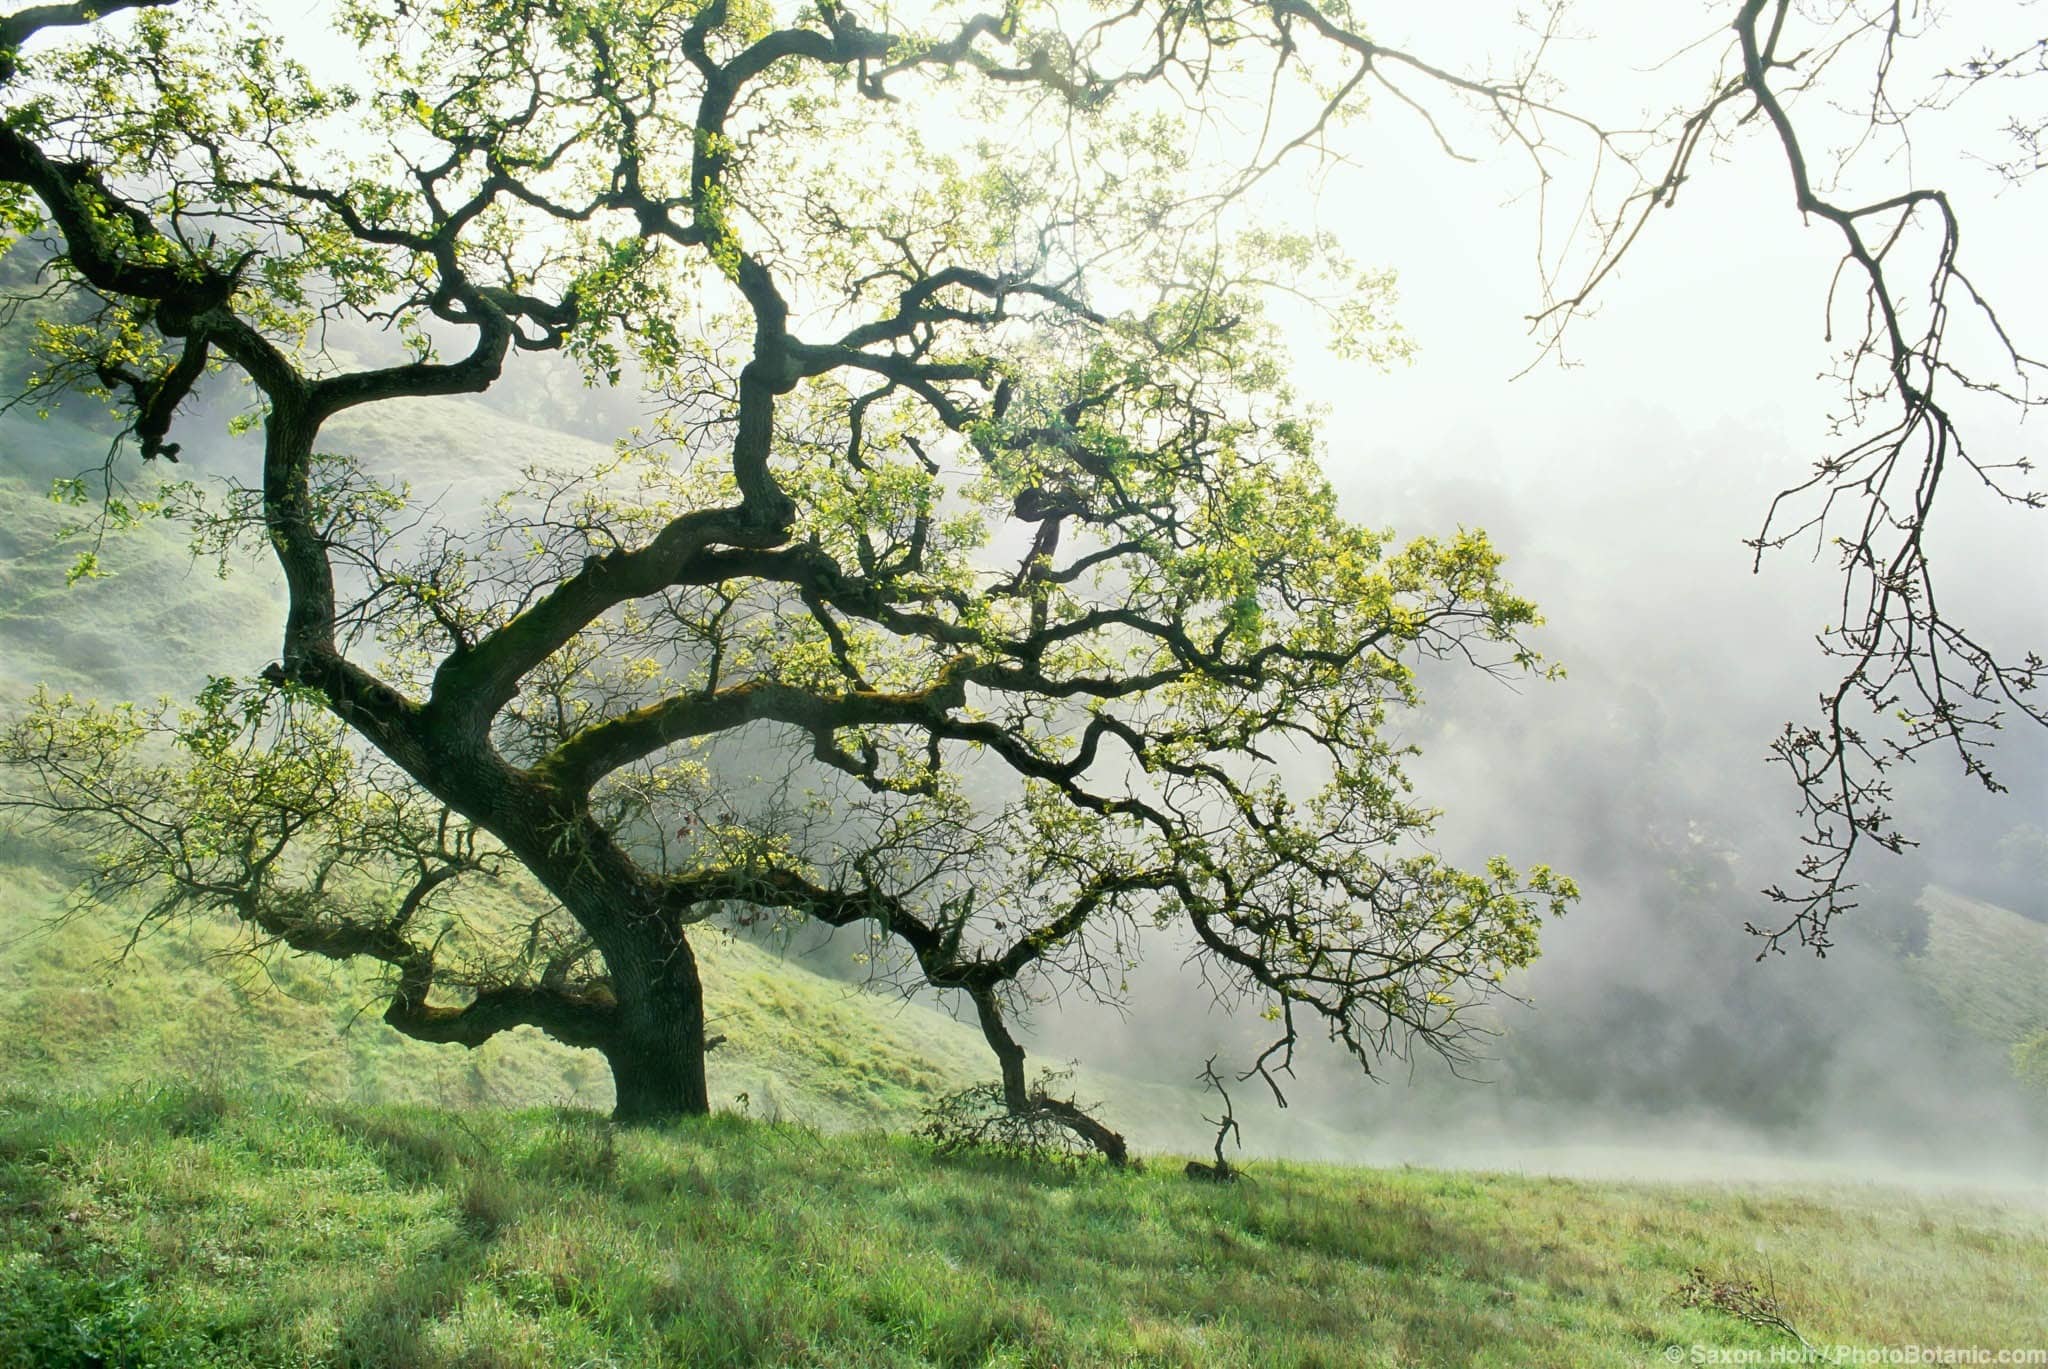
{"x": 654, "y": 1091}
{"x": 657, "y": 1057}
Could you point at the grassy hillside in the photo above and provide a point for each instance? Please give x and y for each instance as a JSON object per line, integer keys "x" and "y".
{"x": 186, "y": 1006}
{"x": 157, "y": 621}
{"x": 190, "y": 1003}
{"x": 1988, "y": 965}
{"x": 188, "y": 1228}
{"x": 82, "y": 1012}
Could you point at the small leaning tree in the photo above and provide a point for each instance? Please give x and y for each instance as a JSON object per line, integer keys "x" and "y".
{"x": 974, "y": 581}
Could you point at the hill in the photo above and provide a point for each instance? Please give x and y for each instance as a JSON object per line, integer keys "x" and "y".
{"x": 187, "y": 1228}
{"x": 83, "y": 1011}
{"x": 1988, "y": 965}
{"x": 158, "y": 621}
{"x": 196, "y": 1003}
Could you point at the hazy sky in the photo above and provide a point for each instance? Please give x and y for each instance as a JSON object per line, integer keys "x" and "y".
{"x": 1622, "y": 487}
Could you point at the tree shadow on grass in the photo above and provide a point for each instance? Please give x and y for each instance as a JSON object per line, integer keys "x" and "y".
{"x": 390, "y": 1328}
{"x": 488, "y": 1190}
{"x": 1291, "y": 1274}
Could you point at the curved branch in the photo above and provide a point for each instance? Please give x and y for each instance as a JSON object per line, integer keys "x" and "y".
{"x": 585, "y": 1018}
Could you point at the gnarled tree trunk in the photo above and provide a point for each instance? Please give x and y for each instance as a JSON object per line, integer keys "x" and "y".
{"x": 656, "y": 1052}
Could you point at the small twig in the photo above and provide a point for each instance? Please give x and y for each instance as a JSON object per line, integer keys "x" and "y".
{"x": 1743, "y": 1300}
{"x": 1222, "y": 1172}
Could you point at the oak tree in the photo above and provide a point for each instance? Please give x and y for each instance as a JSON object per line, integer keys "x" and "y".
{"x": 975, "y": 582}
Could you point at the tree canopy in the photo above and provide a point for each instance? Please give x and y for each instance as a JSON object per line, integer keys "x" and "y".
{"x": 973, "y": 578}
{"x": 977, "y": 510}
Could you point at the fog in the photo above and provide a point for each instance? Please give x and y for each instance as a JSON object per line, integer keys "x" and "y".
{"x": 1652, "y": 1040}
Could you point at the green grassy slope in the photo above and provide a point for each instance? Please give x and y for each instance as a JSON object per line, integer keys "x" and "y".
{"x": 190, "y": 1003}
{"x": 191, "y": 1229}
{"x": 1988, "y": 965}
{"x": 459, "y": 453}
{"x": 185, "y": 1006}
{"x": 157, "y": 621}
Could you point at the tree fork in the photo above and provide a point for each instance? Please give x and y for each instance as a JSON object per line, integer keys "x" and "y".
{"x": 1022, "y": 1100}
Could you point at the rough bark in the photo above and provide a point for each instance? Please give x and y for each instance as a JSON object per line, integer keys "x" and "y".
{"x": 657, "y": 1053}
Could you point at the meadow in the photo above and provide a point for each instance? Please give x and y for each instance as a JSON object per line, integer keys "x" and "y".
{"x": 186, "y": 1227}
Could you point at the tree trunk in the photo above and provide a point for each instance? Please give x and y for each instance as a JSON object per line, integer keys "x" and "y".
{"x": 1021, "y": 1100}
{"x": 1009, "y": 1054}
{"x": 657, "y": 1058}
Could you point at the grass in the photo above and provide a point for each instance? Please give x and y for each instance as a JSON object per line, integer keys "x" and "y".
{"x": 190, "y": 1002}
{"x": 191, "y": 1227}
{"x": 157, "y": 621}
{"x": 81, "y": 1011}
{"x": 1986, "y": 964}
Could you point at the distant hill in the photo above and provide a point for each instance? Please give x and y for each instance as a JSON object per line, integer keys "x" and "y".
{"x": 1988, "y": 965}
{"x": 161, "y": 620}
{"x": 158, "y": 621}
